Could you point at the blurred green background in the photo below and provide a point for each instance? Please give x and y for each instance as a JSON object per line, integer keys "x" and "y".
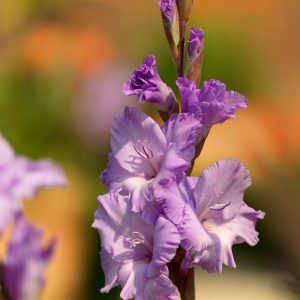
{"x": 62, "y": 66}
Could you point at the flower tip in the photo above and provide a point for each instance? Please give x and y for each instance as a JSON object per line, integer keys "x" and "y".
{"x": 168, "y": 10}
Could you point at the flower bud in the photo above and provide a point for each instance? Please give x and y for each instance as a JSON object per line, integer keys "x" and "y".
{"x": 195, "y": 46}
{"x": 171, "y": 25}
{"x": 146, "y": 83}
{"x": 168, "y": 11}
{"x": 195, "y": 43}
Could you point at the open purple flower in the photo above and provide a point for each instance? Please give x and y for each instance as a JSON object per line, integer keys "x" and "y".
{"x": 195, "y": 43}
{"x": 21, "y": 178}
{"x": 210, "y": 213}
{"x": 134, "y": 254}
{"x": 146, "y": 83}
{"x": 212, "y": 101}
{"x": 22, "y": 274}
{"x": 142, "y": 153}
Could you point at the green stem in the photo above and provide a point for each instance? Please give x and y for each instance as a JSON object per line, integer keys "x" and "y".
{"x": 183, "y": 281}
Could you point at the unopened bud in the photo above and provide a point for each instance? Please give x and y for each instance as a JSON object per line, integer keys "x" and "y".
{"x": 170, "y": 19}
{"x": 168, "y": 11}
{"x": 195, "y": 53}
{"x": 195, "y": 43}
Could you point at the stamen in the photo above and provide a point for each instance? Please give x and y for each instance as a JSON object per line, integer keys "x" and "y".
{"x": 220, "y": 206}
{"x": 135, "y": 239}
{"x": 142, "y": 150}
{"x": 148, "y": 152}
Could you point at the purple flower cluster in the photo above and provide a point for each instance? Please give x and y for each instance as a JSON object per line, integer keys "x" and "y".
{"x": 153, "y": 207}
{"x": 21, "y": 274}
{"x": 156, "y": 222}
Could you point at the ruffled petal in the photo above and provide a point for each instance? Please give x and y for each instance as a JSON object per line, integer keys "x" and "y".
{"x": 138, "y": 143}
{"x": 22, "y": 274}
{"x": 172, "y": 195}
{"x": 161, "y": 288}
{"x": 114, "y": 175}
{"x": 217, "y": 104}
{"x": 29, "y": 176}
{"x": 183, "y": 130}
{"x": 151, "y": 212}
{"x": 187, "y": 89}
{"x": 8, "y": 211}
{"x": 220, "y": 189}
{"x": 165, "y": 244}
{"x": 239, "y": 229}
{"x": 124, "y": 235}
{"x": 234, "y": 100}
{"x": 146, "y": 83}
{"x": 194, "y": 237}
{"x": 119, "y": 180}
{"x": 111, "y": 270}
{"x": 173, "y": 163}
{"x": 176, "y": 199}
{"x": 132, "y": 277}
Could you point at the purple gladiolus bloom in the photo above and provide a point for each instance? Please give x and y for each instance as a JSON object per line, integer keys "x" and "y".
{"x": 212, "y": 101}
{"x": 142, "y": 153}
{"x": 134, "y": 254}
{"x": 146, "y": 83}
{"x": 210, "y": 213}
{"x": 168, "y": 9}
{"x": 20, "y": 178}
{"x": 195, "y": 43}
{"x": 22, "y": 275}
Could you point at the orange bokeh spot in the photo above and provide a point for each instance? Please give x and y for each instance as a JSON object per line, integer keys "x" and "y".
{"x": 52, "y": 46}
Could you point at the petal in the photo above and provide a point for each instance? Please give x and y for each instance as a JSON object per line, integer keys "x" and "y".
{"x": 187, "y": 89}
{"x": 22, "y": 274}
{"x": 8, "y": 211}
{"x": 111, "y": 269}
{"x": 192, "y": 181}
{"x": 183, "y": 130}
{"x": 132, "y": 277}
{"x": 166, "y": 242}
{"x": 193, "y": 236}
{"x": 220, "y": 189}
{"x": 114, "y": 175}
{"x": 176, "y": 199}
{"x": 119, "y": 180}
{"x": 241, "y": 228}
{"x": 172, "y": 195}
{"x": 29, "y": 176}
{"x": 138, "y": 189}
{"x": 163, "y": 99}
{"x": 217, "y": 104}
{"x": 212, "y": 90}
{"x": 146, "y": 83}
{"x": 160, "y": 288}
{"x": 124, "y": 235}
{"x": 151, "y": 212}
{"x": 173, "y": 163}
{"x": 234, "y": 100}
{"x": 138, "y": 143}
